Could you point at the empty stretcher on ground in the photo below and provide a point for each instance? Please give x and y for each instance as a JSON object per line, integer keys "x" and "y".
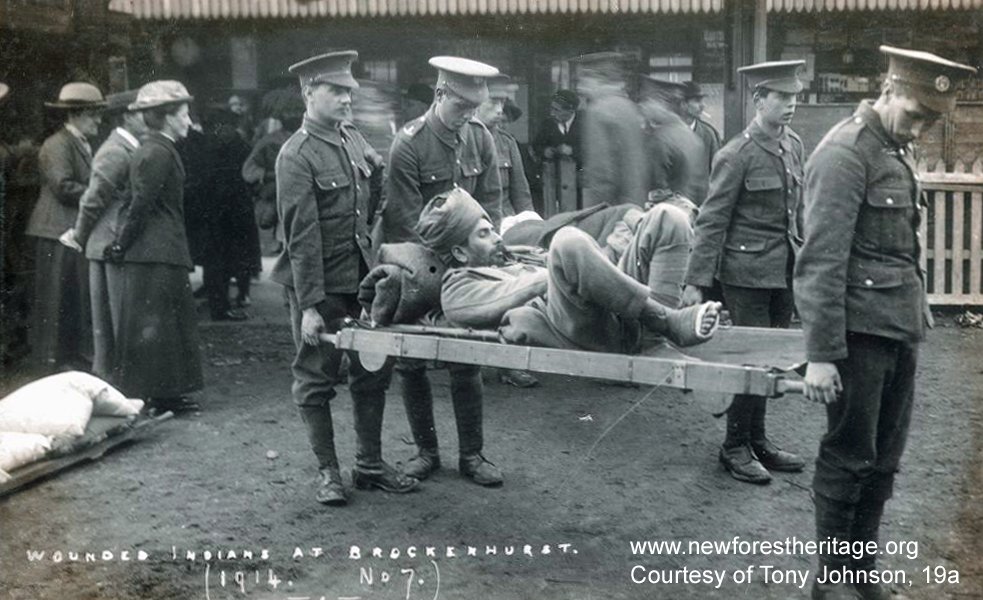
{"x": 738, "y": 360}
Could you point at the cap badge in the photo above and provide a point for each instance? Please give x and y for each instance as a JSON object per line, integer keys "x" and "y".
{"x": 942, "y": 83}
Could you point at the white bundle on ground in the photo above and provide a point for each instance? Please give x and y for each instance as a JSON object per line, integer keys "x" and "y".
{"x": 62, "y": 404}
{"x": 18, "y": 449}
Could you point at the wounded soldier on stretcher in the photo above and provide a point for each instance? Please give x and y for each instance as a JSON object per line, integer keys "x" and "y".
{"x": 579, "y": 300}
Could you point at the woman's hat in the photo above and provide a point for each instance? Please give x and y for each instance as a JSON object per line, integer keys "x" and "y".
{"x": 78, "y": 95}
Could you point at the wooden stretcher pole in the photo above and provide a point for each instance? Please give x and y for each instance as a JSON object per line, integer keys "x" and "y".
{"x": 677, "y": 371}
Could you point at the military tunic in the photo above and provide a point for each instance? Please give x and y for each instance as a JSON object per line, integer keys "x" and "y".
{"x": 861, "y": 295}
{"x": 323, "y": 178}
{"x": 323, "y": 184}
{"x": 516, "y": 196}
{"x": 426, "y": 159}
{"x": 747, "y": 226}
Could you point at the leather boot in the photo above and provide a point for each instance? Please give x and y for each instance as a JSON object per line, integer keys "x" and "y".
{"x": 866, "y": 528}
{"x": 834, "y": 519}
{"x": 771, "y": 456}
{"x": 330, "y": 489}
{"x": 370, "y": 471}
{"x": 736, "y": 454}
{"x": 467, "y": 394}
{"x": 418, "y": 402}
{"x": 320, "y": 434}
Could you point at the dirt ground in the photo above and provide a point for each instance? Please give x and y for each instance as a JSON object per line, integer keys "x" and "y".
{"x": 580, "y": 480}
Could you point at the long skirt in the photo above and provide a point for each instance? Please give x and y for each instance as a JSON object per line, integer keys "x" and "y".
{"x": 157, "y": 350}
{"x": 61, "y": 330}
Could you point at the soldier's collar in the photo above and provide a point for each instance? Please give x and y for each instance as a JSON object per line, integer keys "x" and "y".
{"x": 772, "y": 144}
{"x": 443, "y": 132}
{"x": 868, "y": 116}
{"x": 332, "y": 135}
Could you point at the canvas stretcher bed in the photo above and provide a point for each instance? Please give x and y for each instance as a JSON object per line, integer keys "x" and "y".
{"x": 102, "y": 434}
{"x": 738, "y": 360}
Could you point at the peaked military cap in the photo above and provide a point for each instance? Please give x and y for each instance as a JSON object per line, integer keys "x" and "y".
{"x": 334, "y": 68}
{"x": 660, "y": 89}
{"x": 466, "y": 78}
{"x": 933, "y": 79}
{"x": 777, "y": 75}
{"x": 501, "y": 86}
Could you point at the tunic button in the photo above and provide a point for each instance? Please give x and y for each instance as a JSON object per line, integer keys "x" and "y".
{"x": 432, "y": 177}
{"x": 357, "y": 212}
{"x": 868, "y": 282}
{"x": 334, "y": 184}
{"x": 743, "y": 247}
{"x": 890, "y": 200}
{"x": 458, "y": 162}
{"x": 858, "y": 120}
{"x": 476, "y": 170}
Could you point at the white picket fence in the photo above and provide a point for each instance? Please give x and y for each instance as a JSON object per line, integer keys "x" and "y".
{"x": 952, "y": 232}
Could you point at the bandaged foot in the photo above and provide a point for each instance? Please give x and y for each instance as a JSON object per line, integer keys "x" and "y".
{"x": 685, "y": 326}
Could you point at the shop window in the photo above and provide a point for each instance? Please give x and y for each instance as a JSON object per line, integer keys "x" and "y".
{"x": 671, "y": 67}
{"x": 383, "y": 71}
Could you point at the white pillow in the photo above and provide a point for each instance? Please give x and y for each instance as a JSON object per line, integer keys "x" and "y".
{"x": 49, "y": 406}
{"x": 106, "y": 400}
{"x": 18, "y": 449}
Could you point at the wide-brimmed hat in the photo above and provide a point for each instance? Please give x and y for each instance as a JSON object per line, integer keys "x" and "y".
{"x": 79, "y": 95}
{"x": 160, "y": 93}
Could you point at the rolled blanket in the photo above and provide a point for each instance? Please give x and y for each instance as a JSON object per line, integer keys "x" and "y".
{"x": 404, "y": 286}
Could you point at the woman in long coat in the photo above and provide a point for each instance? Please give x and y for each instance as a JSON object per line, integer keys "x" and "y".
{"x": 159, "y": 355}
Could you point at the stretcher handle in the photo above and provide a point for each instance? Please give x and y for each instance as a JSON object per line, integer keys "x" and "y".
{"x": 790, "y": 386}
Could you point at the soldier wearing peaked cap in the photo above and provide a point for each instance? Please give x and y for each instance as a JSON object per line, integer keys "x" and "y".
{"x": 745, "y": 237}
{"x": 444, "y": 149}
{"x": 61, "y": 332}
{"x": 516, "y": 196}
{"x": 612, "y": 145}
{"x": 861, "y": 295}
{"x": 324, "y": 174}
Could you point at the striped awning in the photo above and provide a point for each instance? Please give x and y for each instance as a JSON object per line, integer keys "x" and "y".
{"x": 285, "y": 9}
{"x": 857, "y": 5}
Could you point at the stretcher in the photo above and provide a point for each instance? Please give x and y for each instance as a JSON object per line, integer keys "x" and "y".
{"x": 737, "y": 360}
{"x": 102, "y": 434}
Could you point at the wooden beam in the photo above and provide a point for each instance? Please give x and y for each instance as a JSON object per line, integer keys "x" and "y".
{"x": 674, "y": 369}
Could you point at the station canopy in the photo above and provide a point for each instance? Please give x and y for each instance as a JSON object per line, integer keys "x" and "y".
{"x": 294, "y": 9}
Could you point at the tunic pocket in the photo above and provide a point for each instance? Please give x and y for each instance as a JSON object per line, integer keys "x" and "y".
{"x": 887, "y": 220}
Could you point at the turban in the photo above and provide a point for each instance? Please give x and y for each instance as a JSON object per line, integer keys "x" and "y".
{"x": 447, "y": 221}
